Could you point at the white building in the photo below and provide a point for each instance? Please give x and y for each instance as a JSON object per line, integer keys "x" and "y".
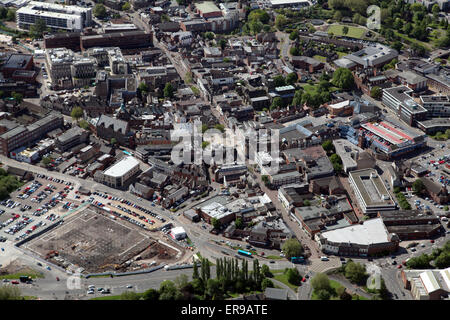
{"x": 178, "y": 233}
{"x": 56, "y": 16}
{"x": 370, "y": 191}
{"x": 117, "y": 175}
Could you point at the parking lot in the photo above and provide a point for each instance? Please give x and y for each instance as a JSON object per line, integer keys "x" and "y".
{"x": 34, "y": 205}
{"x": 125, "y": 209}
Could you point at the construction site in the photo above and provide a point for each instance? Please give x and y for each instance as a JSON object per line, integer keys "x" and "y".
{"x": 95, "y": 242}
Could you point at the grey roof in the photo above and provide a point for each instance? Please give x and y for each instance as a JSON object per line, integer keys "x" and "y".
{"x": 276, "y": 294}
{"x": 13, "y": 132}
{"x": 69, "y": 134}
{"x": 117, "y": 124}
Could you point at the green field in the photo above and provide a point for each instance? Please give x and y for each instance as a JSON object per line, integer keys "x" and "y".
{"x": 320, "y": 58}
{"x": 274, "y": 257}
{"x": 353, "y": 32}
{"x": 32, "y": 274}
{"x": 341, "y": 54}
{"x": 283, "y": 278}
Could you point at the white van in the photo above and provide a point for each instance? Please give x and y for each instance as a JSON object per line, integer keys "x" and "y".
{"x": 324, "y": 258}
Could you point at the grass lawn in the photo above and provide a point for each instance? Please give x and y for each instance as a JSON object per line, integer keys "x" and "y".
{"x": 320, "y": 58}
{"x": 283, "y": 278}
{"x": 308, "y": 87}
{"x": 353, "y": 32}
{"x": 274, "y": 257}
{"x": 341, "y": 54}
{"x": 32, "y": 274}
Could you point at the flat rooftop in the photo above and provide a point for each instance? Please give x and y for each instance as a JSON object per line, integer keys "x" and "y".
{"x": 370, "y": 232}
{"x": 388, "y": 132}
{"x": 437, "y": 122}
{"x": 122, "y": 167}
{"x": 371, "y": 187}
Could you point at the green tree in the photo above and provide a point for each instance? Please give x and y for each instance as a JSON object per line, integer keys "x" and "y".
{"x": 222, "y": 43}
{"x": 209, "y": 35}
{"x": 220, "y": 127}
{"x": 265, "y": 271}
{"x": 265, "y": 179}
{"x": 337, "y": 16}
{"x": 345, "y": 30}
{"x": 343, "y": 78}
{"x": 293, "y": 35}
{"x": 84, "y": 124}
{"x": 216, "y": 223}
{"x": 291, "y": 78}
{"x": 280, "y": 21}
{"x": 151, "y": 294}
{"x": 168, "y": 90}
{"x": 18, "y": 97}
{"x": 297, "y": 101}
{"x": 213, "y": 290}
{"x": 294, "y": 51}
{"x": 321, "y": 282}
{"x": 195, "y": 274}
{"x": 355, "y": 272}
{"x": 126, "y": 6}
{"x": 259, "y": 15}
{"x": 181, "y": 281}
{"x": 129, "y": 295}
{"x": 38, "y": 28}
{"x": 418, "y": 186}
{"x": 292, "y": 248}
{"x": 205, "y": 144}
{"x": 328, "y": 146}
{"x": 168, "y": 291}
{"x": 435, "y": 9}
{"x": 99, "y": 11}
{"x": 76, "y": 113}
{"x": 266, "y": 283}
{"x": 293, "y": 276}
{"x": 420, "y": 262}
{"x": 277, "y": 103}
{"x": 143, "y": 87}
{"x": 279, "y": 81}
{"x": 11, "y": 15}
{"x": 376, "y": 92}
{"x": 10, "y": 293}
{"x": 239, "y": 224}
{"x": 443, "y": 260}
{"x": 323, "y": 294}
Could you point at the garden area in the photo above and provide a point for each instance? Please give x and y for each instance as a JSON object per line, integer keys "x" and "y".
{"x": 352, "y": 32}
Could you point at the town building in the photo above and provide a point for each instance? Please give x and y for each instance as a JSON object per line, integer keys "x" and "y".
{"x": 400, "y": 101}
{"x": 366, "y": 239}
{"x": 23, "y": 136}
{"x": 388, "y": 140}
{"x": 119, "y": 174}
{"x": 411, "y": 224}
{"x": 370, "y": 191}
{"x": 436, "y": 106}
{"x": 56, "y": 16}
{"x": 71, "y": 138}
{"x": 427, "y": 284}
